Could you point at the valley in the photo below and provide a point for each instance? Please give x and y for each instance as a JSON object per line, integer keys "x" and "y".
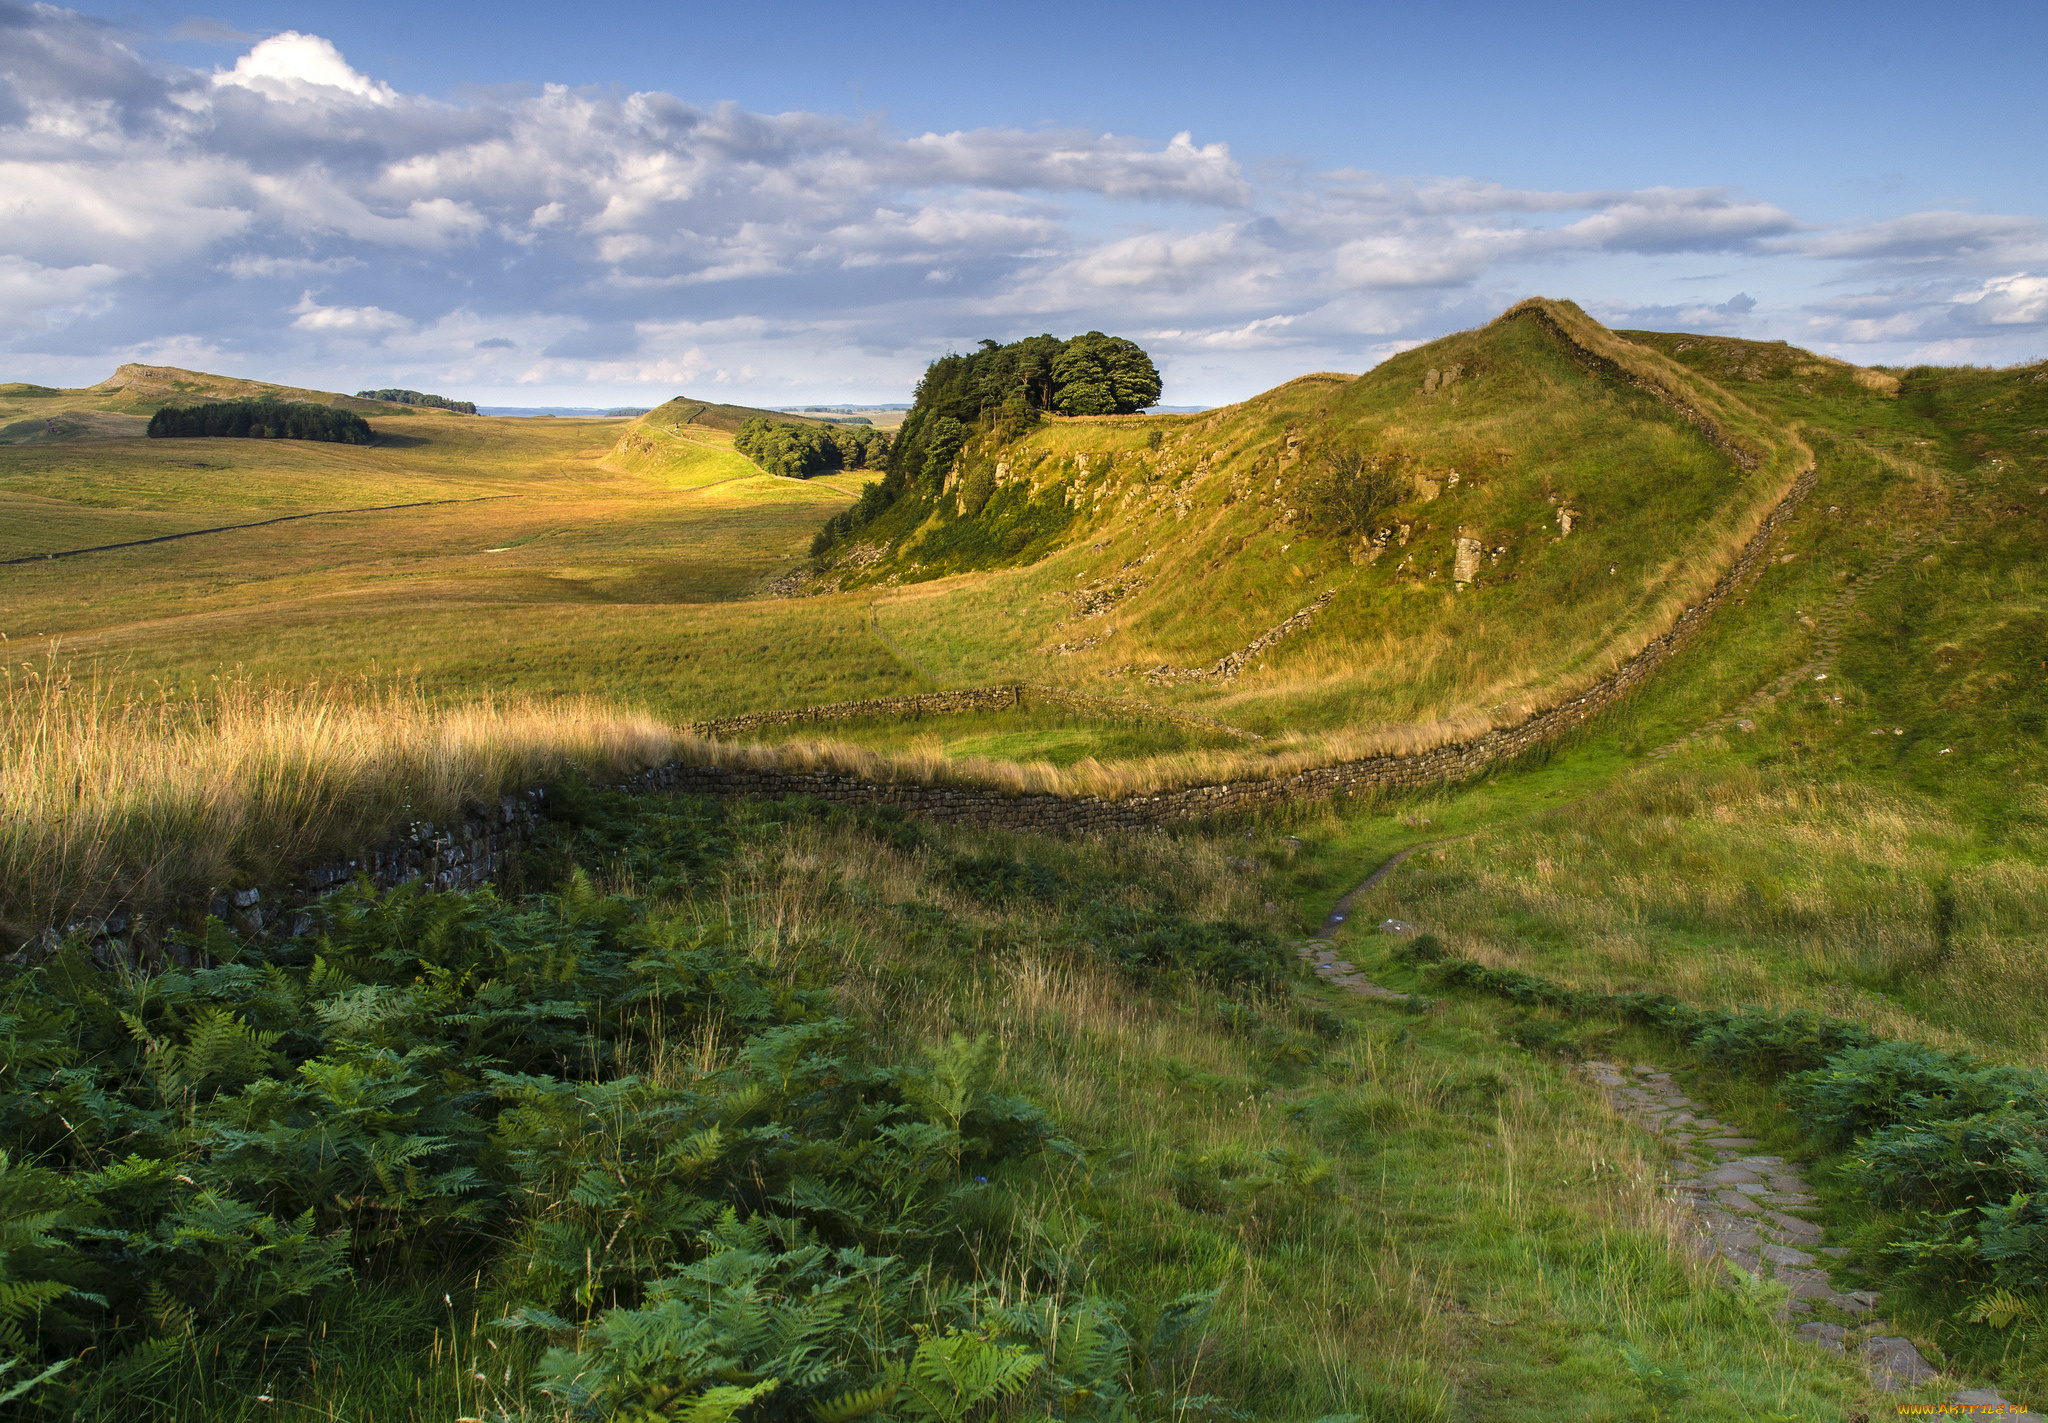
{"x": 1080, "y": 1101}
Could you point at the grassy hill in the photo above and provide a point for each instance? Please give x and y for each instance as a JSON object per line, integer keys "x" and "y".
{"x": 1072, "y": 1099}
{"x": 687, "y": 443}
{"x": 120, "y": 405}
{"x": 1592, "y": 488}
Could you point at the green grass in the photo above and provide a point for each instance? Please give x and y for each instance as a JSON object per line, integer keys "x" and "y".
{"x": 1396, "y": 1216}
{"x": 1053, "y": 735}
{"x": 1487, "y": 1239}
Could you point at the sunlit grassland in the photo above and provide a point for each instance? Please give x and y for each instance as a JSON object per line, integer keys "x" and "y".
{"x": 1491, "y": 1237}
{"x": 109, "y": 799}
{"x": 558, "y": 575}
{"x": 1185, "y": 512}
{"x": 1053, "y": 735}
{"x": 684, "y": 457}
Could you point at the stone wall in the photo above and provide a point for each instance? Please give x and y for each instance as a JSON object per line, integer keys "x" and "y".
{"x": 1452, "y": 761}
{"x": 476, "y": 850}
{"x": 1007, "y": 697}
{"x": 462, "y": 854}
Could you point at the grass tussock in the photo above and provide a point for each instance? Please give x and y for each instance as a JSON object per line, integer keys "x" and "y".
{"x": 108, "y": 797}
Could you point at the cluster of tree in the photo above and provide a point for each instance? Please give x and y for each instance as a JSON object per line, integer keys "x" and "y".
{"x": 1092, "y": 374}
{"x": 414, "y": 397}
{"x": 800, "y": 451}
{"x": 1004, "y": 389}
{"x": 260, "y": 420}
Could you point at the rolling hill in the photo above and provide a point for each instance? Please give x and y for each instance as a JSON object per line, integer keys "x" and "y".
{"x": 120, "y": 406}
{"x": 686, "y": 443}
{"x": 1562, "y": 494}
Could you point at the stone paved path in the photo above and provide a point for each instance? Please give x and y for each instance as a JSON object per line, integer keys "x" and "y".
{"x": 1749, "y": 1209}
{"x": 1746, "y": 1207}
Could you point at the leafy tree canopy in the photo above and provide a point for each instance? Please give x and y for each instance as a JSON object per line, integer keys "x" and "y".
{"x": 260, "y": 420}
{"x": 799, "y": 451}
{"x": 1003, "y": 389}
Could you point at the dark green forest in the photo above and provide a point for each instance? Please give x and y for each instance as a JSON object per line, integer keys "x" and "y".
{"x": 800, "y": 451}
{"x": 260, "y": 420}
{"x": 414, "y": 397}
{"x": 1001, "y": 389}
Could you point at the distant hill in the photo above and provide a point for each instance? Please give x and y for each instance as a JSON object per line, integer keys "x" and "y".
{"x": 419, "y": 397}
{"x": 687, "y": 410}
{"x": 120, "y": 406}
{"x": 687, "y": 442}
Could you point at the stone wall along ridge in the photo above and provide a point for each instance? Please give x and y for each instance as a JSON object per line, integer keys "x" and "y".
{"x": 476, "y": 850}
{"x": 1003, "y": 697}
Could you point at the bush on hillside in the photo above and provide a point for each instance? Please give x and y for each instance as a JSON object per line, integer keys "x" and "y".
{"x": 260, "y": 420}
{"x": 1348, "y": 487}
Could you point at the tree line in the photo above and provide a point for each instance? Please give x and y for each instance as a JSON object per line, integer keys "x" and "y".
{"x": 1005, "y": 389}
{"x": 414, "y": 397}
{"x": 800, "y": 451}
{"x": 260, "y": 420}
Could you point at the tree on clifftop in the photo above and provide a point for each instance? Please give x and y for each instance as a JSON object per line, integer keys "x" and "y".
{"x": 999, "y": 391}
{"x": 1104, "y": 375}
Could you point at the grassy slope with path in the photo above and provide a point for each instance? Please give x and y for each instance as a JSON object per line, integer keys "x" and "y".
{"x": 1490, "y": 1242}
{"x": 1872, "y": 846}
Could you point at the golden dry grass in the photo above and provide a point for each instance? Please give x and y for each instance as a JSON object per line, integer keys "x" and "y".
{"x": 108, "y": 797}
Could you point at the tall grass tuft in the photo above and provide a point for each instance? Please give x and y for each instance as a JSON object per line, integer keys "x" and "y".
{"x": 113, "y": 794}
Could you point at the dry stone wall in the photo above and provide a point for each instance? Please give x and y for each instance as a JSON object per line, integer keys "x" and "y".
{"x": 476, "y": 850}
{"x": 462, "y": 854}
{"x": 1452, "y": 761}
{"x": 1007, "y": 697}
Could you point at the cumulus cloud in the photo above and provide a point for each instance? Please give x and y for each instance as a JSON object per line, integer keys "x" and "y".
{"x": 309, "y": 315}
{"x": 2017, "y": 300}
{"x": 299, "y": 214}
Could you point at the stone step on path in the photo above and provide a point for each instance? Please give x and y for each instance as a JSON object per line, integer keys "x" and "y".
{"x": 1322, "y": 955}
{"x": 1748, "y": 1208}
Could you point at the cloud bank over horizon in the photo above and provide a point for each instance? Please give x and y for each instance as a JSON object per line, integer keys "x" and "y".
{"x": 289, "y": 216}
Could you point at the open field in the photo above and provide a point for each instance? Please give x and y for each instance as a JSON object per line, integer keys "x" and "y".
{"x": 544, "y": 571}
{"x": 1250, "y": 1195}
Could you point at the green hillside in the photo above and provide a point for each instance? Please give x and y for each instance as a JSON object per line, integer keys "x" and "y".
{"x": 1556, "y": 495}
{"x": 120, "y": 405}
{"x": 687, "y": 444}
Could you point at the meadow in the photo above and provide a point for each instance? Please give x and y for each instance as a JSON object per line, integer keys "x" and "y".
{"x": 1071, "y": 1117}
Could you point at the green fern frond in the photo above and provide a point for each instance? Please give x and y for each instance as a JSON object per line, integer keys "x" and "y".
{"x": 860, "y": 1402}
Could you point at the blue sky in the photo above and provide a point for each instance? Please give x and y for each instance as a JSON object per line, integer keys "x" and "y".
{"x": 526, "y": 205}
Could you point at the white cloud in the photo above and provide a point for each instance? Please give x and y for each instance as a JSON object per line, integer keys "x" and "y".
{"x": 2017, "y": 300}
{"x": 263, "y": 266}
{"x": 34, "y": 294}
{"x": 643, "y": 240}
{"x": 295, "y": 68}
{"x": 346, "y": 320}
